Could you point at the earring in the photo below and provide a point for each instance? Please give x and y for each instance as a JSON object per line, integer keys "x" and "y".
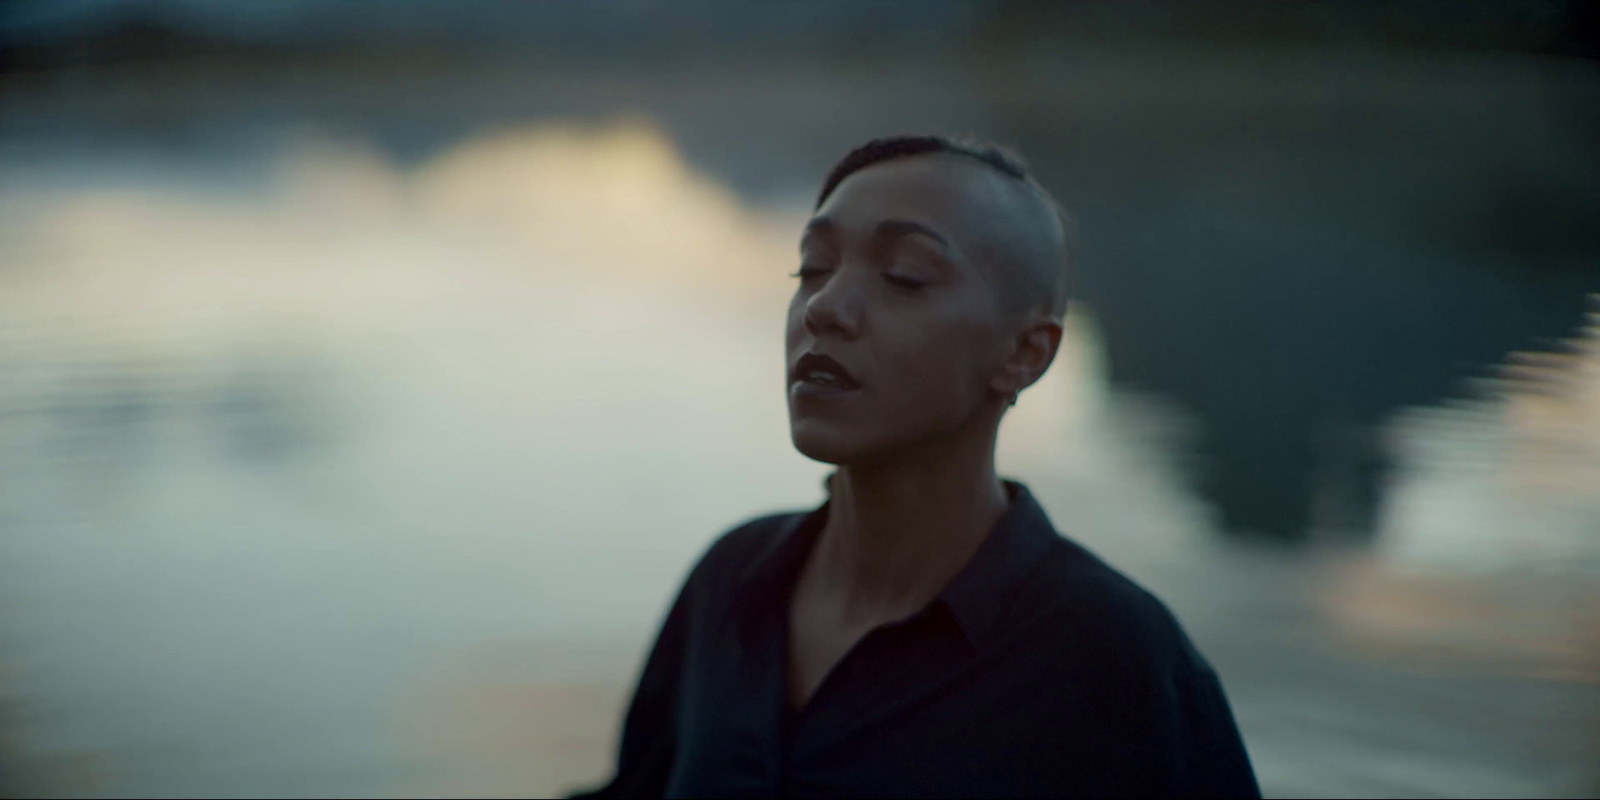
{"x": 1014, "y": 398}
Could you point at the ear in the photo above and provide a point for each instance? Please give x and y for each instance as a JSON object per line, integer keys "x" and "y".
{"x": 1033, "y": 348}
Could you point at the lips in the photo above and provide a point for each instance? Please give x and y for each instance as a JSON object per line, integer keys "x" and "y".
{"x": 822, "y": 372}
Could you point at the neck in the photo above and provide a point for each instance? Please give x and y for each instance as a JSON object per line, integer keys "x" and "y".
{"x": 899, "y": 530}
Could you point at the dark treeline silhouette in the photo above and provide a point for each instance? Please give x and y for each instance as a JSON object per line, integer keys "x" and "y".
{"x": 1292, "y": 347}
{"x": 1295, "y": 263}
{"x": 44, "y": 33}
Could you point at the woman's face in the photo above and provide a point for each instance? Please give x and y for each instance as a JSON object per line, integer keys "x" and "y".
{"x": 893, "y": 289}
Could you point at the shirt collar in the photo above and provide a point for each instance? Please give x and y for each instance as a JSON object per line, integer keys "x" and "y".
{"x": 977, "y": 596}
{"x": 979, "y": 593}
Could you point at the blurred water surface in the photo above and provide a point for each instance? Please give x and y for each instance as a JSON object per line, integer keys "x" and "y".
{"x": 328, "y": 472}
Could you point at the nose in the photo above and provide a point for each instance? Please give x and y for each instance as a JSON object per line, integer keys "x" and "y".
{"x": 836, "y": 309}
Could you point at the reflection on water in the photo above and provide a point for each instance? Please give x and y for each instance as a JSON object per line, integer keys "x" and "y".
{"x": 376, "y": 480}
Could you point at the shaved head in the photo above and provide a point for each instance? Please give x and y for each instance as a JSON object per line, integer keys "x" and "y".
{"x": 932, "y": 285}
{"x": 1018, "y": 229}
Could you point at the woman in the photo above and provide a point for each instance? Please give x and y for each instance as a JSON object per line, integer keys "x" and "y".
{"x": 926, "y": 631}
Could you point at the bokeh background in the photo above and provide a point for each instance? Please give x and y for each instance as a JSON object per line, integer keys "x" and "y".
{"x": 371, "y": 373}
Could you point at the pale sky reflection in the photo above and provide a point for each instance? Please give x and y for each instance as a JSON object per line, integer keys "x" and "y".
{"x": 557, "y": 357}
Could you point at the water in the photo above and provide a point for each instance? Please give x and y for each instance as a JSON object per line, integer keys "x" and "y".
{"x": 324, "y": 474}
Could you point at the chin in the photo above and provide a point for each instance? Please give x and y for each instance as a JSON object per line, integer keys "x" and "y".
{"x": 829, "y": 444}
{"x": 820, "y": 442}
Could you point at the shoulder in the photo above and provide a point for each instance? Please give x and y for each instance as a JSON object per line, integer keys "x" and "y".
{"x": 736, "y": 548}
{"x": 1103, "y": 621}
{"x": 1161, "y": 717}
{"x": 1116, "y": 655}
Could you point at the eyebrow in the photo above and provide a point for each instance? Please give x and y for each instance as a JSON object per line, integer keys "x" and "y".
{"x": 887, "y": 229}
{"x": 897, "y": 228}
{"x": 818, "y": 226}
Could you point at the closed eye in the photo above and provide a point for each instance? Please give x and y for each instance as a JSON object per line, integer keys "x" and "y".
{"x": 904, "y": 283}
{"x": 809, "y": 272}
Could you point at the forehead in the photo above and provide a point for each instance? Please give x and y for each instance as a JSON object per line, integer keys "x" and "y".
{"x": 954, "y": 195}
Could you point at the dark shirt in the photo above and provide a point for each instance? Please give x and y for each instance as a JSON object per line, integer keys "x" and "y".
{"x": 1039, "y": 671}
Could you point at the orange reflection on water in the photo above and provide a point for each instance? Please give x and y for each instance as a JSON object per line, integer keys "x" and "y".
{"x": 1555, "y": 416}
{"x": 1491, "y": 534}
